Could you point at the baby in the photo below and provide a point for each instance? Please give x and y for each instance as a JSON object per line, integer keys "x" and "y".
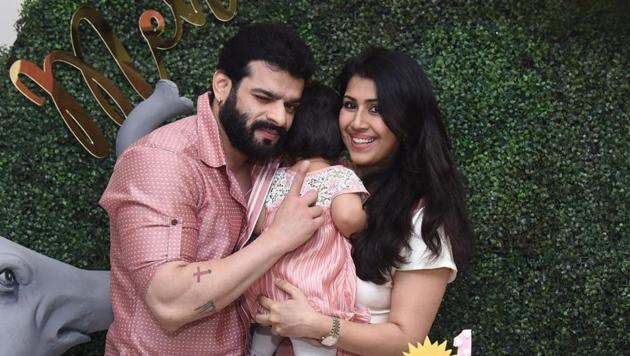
{"x": 322, "y": 268}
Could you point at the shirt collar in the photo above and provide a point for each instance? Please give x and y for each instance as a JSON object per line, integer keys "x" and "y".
{"x": 211, "y": 150}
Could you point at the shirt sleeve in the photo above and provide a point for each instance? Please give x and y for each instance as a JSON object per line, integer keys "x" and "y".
{"x": 344, "y": 181}
{"x": 420, "y": 257}
{"x": 151, "y": 202}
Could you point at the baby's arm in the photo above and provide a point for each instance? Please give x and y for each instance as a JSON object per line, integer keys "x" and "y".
{"x": 348, "y": 214}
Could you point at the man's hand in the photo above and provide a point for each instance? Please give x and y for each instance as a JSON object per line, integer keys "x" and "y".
{"x": 297, "y": 217}
{"x": 182, "y": 292}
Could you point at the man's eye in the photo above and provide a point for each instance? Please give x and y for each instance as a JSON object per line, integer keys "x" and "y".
{"x": 263, "y": 99}
{"x": 7, "y": 278}
{"x": 291, "y": 107}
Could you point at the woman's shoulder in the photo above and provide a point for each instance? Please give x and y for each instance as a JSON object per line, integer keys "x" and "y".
{"x": 419, "y": 256}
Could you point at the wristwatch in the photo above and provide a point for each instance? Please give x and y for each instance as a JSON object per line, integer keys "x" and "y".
{"x": 332, "y": 337}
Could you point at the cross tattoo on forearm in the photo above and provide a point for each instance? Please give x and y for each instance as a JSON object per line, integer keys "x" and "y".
{"x": 199, "y": 273}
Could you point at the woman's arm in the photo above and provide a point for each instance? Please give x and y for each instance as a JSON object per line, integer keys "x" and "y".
{"x": 416, "y": 297}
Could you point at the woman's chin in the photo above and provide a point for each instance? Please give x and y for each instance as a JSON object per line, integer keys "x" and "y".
{"x": 359, "y": 158}
{"x": 363, "y": 159}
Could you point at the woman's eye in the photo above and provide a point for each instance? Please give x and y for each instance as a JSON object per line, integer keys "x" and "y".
{"x": 7, "y": 278}
{"x": 349, "y": 105}
{"x": 375, "y": 109}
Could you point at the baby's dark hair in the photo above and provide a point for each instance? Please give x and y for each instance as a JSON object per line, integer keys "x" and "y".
{"x": 315, "y": 129}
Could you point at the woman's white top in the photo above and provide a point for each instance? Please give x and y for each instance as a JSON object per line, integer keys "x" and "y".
{"x": 378, "y": 297}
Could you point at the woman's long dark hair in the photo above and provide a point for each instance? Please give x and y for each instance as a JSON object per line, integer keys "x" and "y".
{"x": 422, "y": 169}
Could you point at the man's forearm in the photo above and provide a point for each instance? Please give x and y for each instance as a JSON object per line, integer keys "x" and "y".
{"x": 181, "y": 292}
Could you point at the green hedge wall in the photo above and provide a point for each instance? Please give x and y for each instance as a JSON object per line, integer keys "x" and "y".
{"x": 537, "y": 99}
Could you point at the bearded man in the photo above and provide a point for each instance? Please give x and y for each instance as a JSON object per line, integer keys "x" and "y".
{"x": 179, "y": 201}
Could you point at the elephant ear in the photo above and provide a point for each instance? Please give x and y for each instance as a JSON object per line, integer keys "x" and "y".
{"x": 163, "y": 104}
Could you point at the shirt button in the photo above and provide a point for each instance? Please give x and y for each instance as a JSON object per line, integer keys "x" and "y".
{"x": 174, "y": 222}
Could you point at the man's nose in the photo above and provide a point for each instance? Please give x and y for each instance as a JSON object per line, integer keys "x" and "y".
{"x": 277, "y": 113}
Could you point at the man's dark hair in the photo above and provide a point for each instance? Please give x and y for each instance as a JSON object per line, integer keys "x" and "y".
{"x": 315, "y": 129}
{"x": 276, "y": 44}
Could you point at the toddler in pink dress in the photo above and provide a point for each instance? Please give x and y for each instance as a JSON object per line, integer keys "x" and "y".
{"x": 322, "y": 268}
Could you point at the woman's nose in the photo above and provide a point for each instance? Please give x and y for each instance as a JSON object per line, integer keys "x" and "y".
{"x": 359, "y": 121}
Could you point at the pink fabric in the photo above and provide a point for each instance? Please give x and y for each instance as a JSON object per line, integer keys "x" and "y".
{"x": 262, "y": 177}
{"x": 322, "y": 268}
{"x": 171, "y": 197}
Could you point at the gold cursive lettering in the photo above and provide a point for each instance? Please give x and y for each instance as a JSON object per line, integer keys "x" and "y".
{"x": 113, "y": 44}
{"x": 220, "y": 12}
{"x": 73, "y": 115}
{"x": 152, "y": 25}
{"x": 99, "y": 86}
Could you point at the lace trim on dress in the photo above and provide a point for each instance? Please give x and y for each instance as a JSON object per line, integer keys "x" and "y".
{"x": 328, "y": 182}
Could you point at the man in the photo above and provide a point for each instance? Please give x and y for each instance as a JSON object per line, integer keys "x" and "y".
{"x": 178, "y": 205}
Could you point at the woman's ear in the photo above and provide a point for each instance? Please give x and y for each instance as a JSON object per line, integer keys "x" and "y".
{"x": 221, "y": 86}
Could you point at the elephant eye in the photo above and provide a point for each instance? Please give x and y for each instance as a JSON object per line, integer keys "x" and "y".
{"x": 7, "y": 279}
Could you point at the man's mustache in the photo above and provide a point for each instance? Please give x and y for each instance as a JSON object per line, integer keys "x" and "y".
{"x": 265, "y": 125}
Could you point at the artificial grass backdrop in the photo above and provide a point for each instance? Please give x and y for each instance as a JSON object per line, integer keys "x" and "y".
{"x": 536, "y": 95}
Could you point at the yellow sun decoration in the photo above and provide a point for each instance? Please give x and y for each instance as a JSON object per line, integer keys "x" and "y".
{"x": 428, "y": 349}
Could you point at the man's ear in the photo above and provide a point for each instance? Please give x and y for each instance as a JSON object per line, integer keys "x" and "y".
{"x": 221, "y": 85}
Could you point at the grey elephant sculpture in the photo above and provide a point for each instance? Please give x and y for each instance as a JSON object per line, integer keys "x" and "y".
{"x": 47, "y": 306}
{"x": 163, "y": 104}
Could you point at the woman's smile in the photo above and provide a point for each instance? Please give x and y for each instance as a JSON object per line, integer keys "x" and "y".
{"x": 366, "y": 136}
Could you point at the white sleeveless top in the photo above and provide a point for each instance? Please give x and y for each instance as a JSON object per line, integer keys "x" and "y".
{"x": 378, "y": 297}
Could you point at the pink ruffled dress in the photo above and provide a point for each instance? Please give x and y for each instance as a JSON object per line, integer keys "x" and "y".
{"x": 322, "y": 267}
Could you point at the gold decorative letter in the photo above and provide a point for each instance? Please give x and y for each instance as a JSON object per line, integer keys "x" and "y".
{"x": 99, "y": 86}
{"x": 152, "y": 25}
{"x": 220, "y": 12}
{"x": 73, "y": 115}
{"x": 113, "y": 44}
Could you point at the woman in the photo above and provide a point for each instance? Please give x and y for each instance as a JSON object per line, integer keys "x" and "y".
{"x": 418, "y": 231}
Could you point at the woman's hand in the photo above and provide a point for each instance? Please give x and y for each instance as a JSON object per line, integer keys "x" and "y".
{"x": 294, "y": 317}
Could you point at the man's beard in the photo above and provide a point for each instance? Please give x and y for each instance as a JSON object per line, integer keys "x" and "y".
{"x": 242, "y": 137}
